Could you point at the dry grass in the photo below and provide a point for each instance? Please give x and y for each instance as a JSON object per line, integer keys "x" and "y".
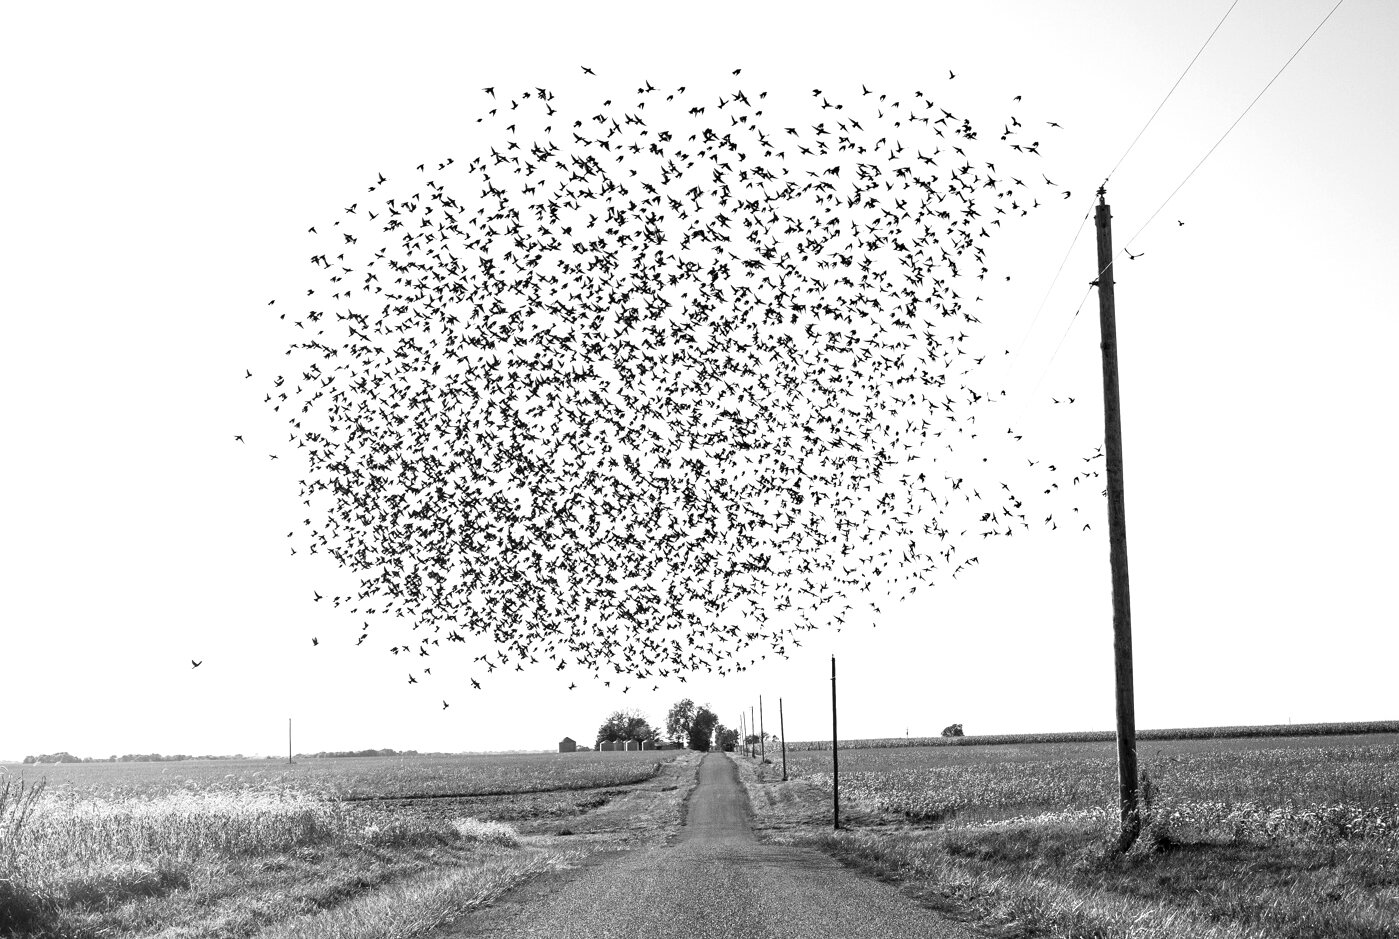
{"x": 221, "y": 862}
{"x": 283, "y": 860}
{"x": 355, "y": 777}
{"x": 1269, "y": 839}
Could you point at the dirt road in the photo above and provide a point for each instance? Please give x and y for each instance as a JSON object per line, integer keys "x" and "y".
{"x": 718, "y": 880}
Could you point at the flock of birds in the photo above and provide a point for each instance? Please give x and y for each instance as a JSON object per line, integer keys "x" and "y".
{"x": 655, "y": 387}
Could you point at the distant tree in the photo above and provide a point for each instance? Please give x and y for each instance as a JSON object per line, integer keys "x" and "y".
{"x": 677, "y": 722}
{"x": 626, "y": 725}
{"x": 701, "y": 731}
{"x": 953, "y": 730}
{"x": 725, "y": 738}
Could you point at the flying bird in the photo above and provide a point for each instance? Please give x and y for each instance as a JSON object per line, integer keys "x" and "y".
{"x": 612, "y": 308}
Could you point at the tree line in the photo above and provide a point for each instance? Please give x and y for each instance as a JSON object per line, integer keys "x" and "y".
{"x": 689, "y": 725}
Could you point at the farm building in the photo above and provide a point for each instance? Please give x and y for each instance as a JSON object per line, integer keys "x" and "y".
{"x": 568, "y": 745}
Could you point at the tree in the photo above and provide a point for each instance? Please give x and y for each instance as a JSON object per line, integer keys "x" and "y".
{"x": 701, "y": 730}
{"x": 725, "y": 738}
{"x": 953, "y": 730}
{"x": 626, "y": 725}
{"x": 678, "y": 721}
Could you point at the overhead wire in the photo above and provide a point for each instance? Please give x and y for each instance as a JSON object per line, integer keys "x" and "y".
{"x": 1079, "y": 231}
{"x": 1128, "y": 242}
{"x": 1230, "y": 129}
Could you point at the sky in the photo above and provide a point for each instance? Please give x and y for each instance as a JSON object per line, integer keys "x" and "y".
{"x": 164, "y": 162}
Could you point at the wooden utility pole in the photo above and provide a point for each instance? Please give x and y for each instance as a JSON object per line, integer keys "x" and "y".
{"x": 752, "y": 723}
{"x": 835, "y": 749}
{"x": 782, "y": 729}
{"x": 288, "y": 741}
{"x": 1117, "y": 540}
{"x": 762, "y": 736}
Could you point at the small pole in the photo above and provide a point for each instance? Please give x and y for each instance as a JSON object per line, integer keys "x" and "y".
{"x": 762, "y": 735}
{"x": 782, "y": 729}
{"x": 752, "y": 722}
{"x": 835, "y": 749}
{"x": 1117, "y": 538}
{"x": 288, "y": 741}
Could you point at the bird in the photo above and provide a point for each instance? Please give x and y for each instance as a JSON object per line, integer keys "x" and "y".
{"x": 584, "y": 420}
{"x": 315, "y": 641}
{"x": 1133, "y": 257}
{"x": 444, "y": 705}
{"x": 239, "y": 438}
{"x": 194, "y": 664}
{"x": 950, "y": 75}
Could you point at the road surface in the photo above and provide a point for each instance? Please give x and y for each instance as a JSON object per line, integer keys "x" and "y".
{"x": 718, "y": 880}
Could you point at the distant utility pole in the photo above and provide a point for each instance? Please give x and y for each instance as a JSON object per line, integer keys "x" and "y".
{"x": 288, "y": 741}
{"x": 782, "y": 729}
{"x": 752, "y": 722}
{"x": 1117, "y": 539}
{"x": 835, "y": 749}
{"x": 762, "y": 735}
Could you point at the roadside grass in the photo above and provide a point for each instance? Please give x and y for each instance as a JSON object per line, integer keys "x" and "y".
{"x": 1062, "y": 878}
{"x": 290, "y": 863}
{"x": 238, "y": 864}
{"x": 1244, "y": 867}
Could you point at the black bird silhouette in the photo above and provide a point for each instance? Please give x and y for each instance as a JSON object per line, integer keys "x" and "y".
{"x": 515, "y": 395}
{"x": 194, "y": 664}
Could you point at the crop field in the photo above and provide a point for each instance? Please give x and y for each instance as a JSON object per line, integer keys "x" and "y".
{"x": 1246, "y": 837}
{"x": 224, "y": 847}
{"x": 1317, "y": 787}
{"x": 351, "y": 777}
{"x": 1349, "y": 728}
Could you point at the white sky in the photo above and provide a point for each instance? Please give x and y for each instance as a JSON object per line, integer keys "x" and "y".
{"x": 163, "y": 162}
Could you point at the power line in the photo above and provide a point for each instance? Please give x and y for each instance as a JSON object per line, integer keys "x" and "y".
{"x": 1182, "y": 183}
{"x": 1169, "y": 93}
{"x": 1230, "y": 128}
{"x": 1050, "y": 289}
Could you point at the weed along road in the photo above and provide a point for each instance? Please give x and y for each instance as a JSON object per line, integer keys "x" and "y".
{"x": 718, "y": 880}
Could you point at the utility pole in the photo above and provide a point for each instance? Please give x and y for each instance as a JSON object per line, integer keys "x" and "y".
{"x": 762, "y": 736}
{"x": 1117, "y": 539}
{"x": 752, "y": 722}
{"x": 835, "y": 749}
{"x": 288, "y": 741}
{"x": 782, "y": 729}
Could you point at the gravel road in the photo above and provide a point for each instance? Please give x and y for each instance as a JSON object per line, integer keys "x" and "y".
{"x": 718, "y": 880}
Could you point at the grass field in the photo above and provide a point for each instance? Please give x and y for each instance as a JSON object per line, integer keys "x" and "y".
{"x": 351, "y": 848}
{"x": 1250, "y": 837}
{"x": 353, "y": 777}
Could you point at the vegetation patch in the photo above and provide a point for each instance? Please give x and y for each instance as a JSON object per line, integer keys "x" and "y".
{"x": 1243, "y": 838}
